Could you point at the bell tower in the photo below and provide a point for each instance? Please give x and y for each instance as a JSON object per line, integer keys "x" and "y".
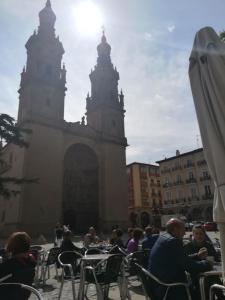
{"x": 42, "y": 87}
{"x": 105, "y": 106}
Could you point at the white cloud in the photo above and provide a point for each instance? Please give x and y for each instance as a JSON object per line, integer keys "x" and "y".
{"x": 171, "y": 28}
{"x": 148, "y": 36}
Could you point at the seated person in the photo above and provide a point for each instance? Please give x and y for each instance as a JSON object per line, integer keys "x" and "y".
{"x": 91, "y": 237}
{"x": 20, "y": 263}
{"x": 113, "y": 238}
{"x": 67, "y": 244}
{"x": 133, "y": 243}
{"x": 199, "y": 248}
{"x": 130, "y": 235}
{"x": 168, "y": 262}
{"x": 149, "y": 239}
{"x": 116, "y": 238}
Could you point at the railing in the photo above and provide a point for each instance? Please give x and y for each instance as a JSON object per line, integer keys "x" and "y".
{"x": 178, "y": 182}
{"x": 189, "y": 165}
{"x": 165, "y": 171}
{"x": 208, "y": 177}
{"x": 191, "y": 180}
{"x": 201, "y": 162}
{"x": 168, "y": 184}
{"x": 207, "y": 197}
{"x": 177, "y": 168}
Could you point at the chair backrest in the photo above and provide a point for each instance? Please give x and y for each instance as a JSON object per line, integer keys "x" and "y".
{"x": 70, "y": 257}
{"x": 36, "y": 247}
{"x": 93, "y": 251}
{"x": 52, "y": 257}
{"x": 146, "y": 279}
{"x": 117, "y": 250}
{"x": 18, "y": 291}
{"x": 113, "y": 267}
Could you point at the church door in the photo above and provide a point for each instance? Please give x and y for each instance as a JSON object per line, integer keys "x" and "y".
{"x": 80, "y": 188}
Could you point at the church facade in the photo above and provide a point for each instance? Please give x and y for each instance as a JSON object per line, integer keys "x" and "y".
{"x": 80, "y": 166}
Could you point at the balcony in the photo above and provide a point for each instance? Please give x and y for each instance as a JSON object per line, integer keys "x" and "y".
{"x": 191, "y": 180}
{"x": 189, "y": 165}
{"x": 165, "y": 171}
{"x": 177, "y": 168}
{"x": 166, "y": 185}
{"x": 178, "y": 182}
{"x": 207, "y": 197}
{"x": 193, "y": 198}
{"x": 208, "y": 177}
{"x": 201, "y": 162}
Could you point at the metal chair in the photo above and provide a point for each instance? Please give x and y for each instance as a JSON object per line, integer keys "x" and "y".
{"x": 50, "y": 259}
{"x": 12, "y": 291}
{"x": 214, "y": 288}
{"x": 147, "y": 279}
{"x": 70, "y": 262}
{"x": 117, "y": 250}
{"x": 39, "y": 253}
{"x": 110, "y": 272}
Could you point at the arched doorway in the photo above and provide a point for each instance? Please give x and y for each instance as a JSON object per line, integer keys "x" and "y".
{"x": 144, "y": 219}
{"x": 80, "y": 188}
{"x": 133, "y": 219}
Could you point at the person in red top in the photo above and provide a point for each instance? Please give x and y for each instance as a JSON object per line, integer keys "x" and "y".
{"x": 20, "y": 264}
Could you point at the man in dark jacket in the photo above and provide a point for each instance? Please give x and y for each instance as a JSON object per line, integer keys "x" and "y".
{"x": 168, "y": 262}
{"x": 149, "y": 239}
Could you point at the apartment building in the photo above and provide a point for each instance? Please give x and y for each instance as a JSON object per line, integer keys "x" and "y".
{"x": 144, "y": 194}
{"x": 187, "y": 187}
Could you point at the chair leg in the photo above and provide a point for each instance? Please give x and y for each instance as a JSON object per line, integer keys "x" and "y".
{"x": 56, "y": 272}
{"x": 61, "y": 286}
{"x": 48, "y": 271}
{"x": 106, "y": 291}
{"x": 44, "y": 275}
{"x": 73, "y": 287}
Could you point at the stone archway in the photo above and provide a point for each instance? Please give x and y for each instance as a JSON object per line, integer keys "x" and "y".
{"x": 144, "y": 219}
{"x": 133, "y": 219}
{"x": 80, "y": 188}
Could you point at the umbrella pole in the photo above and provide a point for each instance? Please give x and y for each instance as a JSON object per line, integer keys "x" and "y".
{"x": 222, "y": 245}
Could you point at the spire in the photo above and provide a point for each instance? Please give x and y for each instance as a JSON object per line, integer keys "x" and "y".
{"x": 48, "y": 4}
{"x": 47, "y": 17}
{"x": 104, "y": 50}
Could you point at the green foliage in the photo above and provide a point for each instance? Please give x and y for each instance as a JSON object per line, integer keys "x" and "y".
{"x": 10, "y": 133}
{"x": 222, "y": 36}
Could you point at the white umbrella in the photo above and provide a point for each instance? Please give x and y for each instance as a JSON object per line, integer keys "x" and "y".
{"x": 207, "y": 77}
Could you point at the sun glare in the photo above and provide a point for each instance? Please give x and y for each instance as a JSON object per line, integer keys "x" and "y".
{"x": 88, "y": 17}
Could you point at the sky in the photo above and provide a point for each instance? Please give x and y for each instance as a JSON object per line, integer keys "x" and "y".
{"x": 151, "y": 42}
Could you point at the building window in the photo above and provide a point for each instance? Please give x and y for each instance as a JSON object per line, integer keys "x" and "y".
{"x": 191, "y": 175}
{"x": 178, "y": 178}
{"x": 193, "y": 192}
{"x": 207, "y": 190}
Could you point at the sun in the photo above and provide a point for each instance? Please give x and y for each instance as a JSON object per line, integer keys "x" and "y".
{"x": 88, "y": 17}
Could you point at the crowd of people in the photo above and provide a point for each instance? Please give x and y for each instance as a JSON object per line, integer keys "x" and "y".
{"x": 169, "y": 259}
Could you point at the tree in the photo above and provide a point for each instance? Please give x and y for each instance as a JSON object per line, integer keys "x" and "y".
{"x": 222, "y": 36}
{"x": 10, "y": 133}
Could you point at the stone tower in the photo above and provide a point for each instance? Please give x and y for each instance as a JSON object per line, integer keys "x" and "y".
{"x": 80, "y": 167}
{"x": 42, "y": 87}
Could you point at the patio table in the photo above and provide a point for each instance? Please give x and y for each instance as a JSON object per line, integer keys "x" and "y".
{"x": 216, "y": 271}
